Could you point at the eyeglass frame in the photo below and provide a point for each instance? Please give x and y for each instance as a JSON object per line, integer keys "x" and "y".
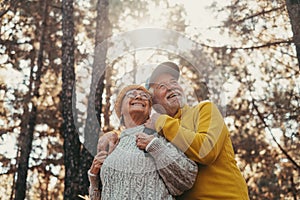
{"x": 164, "y": 85}
{"x": 132, "y": 94}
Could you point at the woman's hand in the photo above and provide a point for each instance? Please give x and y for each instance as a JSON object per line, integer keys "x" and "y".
{"x": 142, "y": 140}
{"x": 97, "y": 162}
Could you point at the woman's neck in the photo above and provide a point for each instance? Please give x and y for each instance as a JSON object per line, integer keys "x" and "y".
{"x": 134, "y": 121}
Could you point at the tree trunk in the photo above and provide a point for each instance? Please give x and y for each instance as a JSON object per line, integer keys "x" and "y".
{"x": 108, "y": 74}
{"x": 293, "y": 7}
{"x": 92, "y": 126}
{"x": 29, "y": 117}
{"x": 93, "y": 123}
{"x": 71, "y": 137}
{"x": 25, "y": 145}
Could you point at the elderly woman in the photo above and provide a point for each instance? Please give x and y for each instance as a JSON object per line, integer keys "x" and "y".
{"x": 142, "y": 166}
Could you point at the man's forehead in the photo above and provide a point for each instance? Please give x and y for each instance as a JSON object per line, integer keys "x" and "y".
{"x": 164, "y": 78}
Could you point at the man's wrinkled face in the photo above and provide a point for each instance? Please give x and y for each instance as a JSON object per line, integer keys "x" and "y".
{"x": 168, "y": 96}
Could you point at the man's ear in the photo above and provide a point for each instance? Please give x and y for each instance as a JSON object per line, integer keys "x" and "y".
{"x": 151, "y": 91}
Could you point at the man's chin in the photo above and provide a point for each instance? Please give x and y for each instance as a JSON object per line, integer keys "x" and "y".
{"x": 179, "y": 101}
{"x": 159, "y": 108}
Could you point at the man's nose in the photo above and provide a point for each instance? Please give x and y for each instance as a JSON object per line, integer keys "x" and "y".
{"x": 169, "y": 86}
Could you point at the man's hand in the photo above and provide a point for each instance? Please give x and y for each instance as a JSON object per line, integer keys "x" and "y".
{"x": 150, "y": 123}
{"x": 108, "y": 141}
{"x": 97, "y": 162}
{"x": 142, "y": 140}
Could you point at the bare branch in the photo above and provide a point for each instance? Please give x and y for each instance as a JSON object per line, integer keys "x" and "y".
{"x": 263, "y": 12}
{"x": 4, "y": 11}
{"x": 249, "y": 47}
{"x": 273, "y": 137}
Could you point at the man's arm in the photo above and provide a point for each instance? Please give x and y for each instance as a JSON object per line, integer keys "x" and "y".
{"x": 205, "y": 142}
{"x": 108, "y": 141}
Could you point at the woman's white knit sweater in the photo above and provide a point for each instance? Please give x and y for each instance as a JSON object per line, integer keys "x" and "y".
{"x": 130, "y": 173}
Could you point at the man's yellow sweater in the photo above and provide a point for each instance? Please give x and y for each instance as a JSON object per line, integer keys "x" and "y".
{"x": 201, "y": 133}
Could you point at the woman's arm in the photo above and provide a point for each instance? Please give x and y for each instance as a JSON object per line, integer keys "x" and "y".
{"x": 94, "y": 191}
{"x": 177, "y": 171}
{"x": 93, "y": 175}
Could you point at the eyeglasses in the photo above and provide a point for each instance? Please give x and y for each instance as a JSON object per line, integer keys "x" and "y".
{"x": 133, "y": 94}
{"x": 166, "y": 85}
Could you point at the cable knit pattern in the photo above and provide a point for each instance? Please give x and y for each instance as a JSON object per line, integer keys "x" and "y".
{"x": 128, "y": 173}
{"x": 177, "y": 171}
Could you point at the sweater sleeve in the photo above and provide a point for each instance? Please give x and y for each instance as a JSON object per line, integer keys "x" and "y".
{"x": 202, "y": 139}
{"x": 177, "y": 171}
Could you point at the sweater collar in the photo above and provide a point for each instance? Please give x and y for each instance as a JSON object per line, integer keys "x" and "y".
{"x": 132, "y": 131}
{"x": 181, "y": 111}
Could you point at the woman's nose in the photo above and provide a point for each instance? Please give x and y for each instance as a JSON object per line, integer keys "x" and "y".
{"x": 138, "y": 96}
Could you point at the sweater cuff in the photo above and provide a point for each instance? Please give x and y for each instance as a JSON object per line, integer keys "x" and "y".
{"x": 94, "y": 180}
{"x": 148, "y": 145}
{"x": 156, "y": 148}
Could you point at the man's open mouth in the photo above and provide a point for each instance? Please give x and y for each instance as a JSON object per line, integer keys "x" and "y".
{"x": 173, "y": 94}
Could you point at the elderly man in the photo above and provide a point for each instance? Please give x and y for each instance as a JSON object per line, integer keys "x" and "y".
{"x": 200, "y": 132}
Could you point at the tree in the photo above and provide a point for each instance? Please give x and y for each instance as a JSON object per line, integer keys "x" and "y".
{"x": 293, "y": 8}
{"x": 262, "y": 114}
{"x": 94, "y": 109}
{"x": 71, "y": 137}
{"x": 258, "y": 62}
{"x": 29, "y": 46}
{"x": 92, "y": 127}
{"x": 29, "y": 117}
